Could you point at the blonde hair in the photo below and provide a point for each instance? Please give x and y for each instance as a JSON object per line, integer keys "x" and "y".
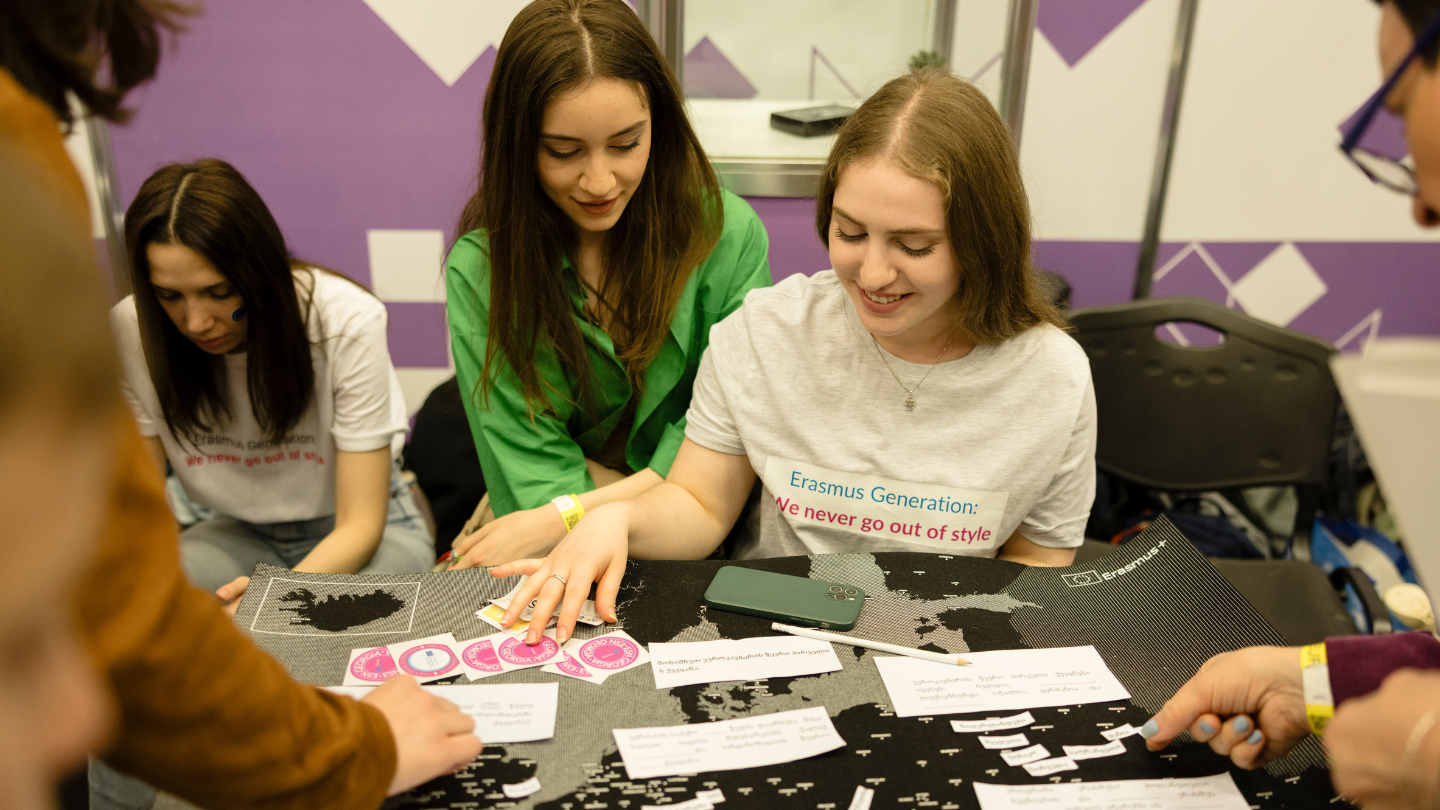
{"x": 940, "y": 128}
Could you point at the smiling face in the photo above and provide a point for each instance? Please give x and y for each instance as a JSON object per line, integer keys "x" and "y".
{"x": 594, "y": 147}
{"x": 1416, "y": 98}
{"x": 890, "y": 248}
{"x": 200, "y": 301}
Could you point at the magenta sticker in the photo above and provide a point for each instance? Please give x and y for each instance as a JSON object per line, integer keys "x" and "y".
{"x": 374, "y": 665}
{"x": 609, "y": 652}
{"x": 572, "y": 668}
{"x": 428, "y": 660}
{"x": 516, "y": 651}
{"x": 481, "y": 655}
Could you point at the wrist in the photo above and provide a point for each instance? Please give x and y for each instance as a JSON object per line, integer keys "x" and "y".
{"x": 570, "y": 510}
{"x": 1420, "y": 762}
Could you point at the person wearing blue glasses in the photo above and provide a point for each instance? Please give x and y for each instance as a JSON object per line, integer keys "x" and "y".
{"x": 1375, "y": 699}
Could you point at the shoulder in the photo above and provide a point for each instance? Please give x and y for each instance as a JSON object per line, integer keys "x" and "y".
{"x": 339, "y": 301}
{"x": 467, "y": 269}
{"x": 1050, "y": 354}
{"x": 796, "y": 303}
{"x": 124, "y": 316}
{"x": 740, "y": 217}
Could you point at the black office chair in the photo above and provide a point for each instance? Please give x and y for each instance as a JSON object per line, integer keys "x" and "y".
{"x": 1258, "y": 409}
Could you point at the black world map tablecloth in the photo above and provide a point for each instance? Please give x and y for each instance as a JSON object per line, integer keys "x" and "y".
{"x": 1155, "y": 610}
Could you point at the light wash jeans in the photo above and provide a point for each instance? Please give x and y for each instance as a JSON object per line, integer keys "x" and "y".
{"x": 217, "y": 550}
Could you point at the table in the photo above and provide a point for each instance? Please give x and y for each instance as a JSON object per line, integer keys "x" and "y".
{"x": 1155, "y": 610}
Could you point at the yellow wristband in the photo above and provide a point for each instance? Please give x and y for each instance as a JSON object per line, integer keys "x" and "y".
{"x": 1315, "y": 681}
{"x": 570, "y": 510}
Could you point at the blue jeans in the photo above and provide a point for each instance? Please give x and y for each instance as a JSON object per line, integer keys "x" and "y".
{"x": 216, "y": 551}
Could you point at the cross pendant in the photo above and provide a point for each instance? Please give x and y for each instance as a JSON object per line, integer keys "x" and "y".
{"x": 909, "y": 402}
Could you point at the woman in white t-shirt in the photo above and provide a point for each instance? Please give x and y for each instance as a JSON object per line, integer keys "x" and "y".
{"x": 268, "y": 386}
{"x": 919, "y": 397}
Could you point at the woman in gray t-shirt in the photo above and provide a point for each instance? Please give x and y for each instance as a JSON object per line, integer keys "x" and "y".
{"x": 919, "y": 397}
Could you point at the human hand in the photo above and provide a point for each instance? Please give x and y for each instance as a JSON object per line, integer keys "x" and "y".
{"x": 1374, "y": 761}
{"x": 432, "y": 737}
{"x": 229, "y": 595}
{"x": 516, "y": 536}
{"x": 1222, "y": 703}
{"x": 594, "y": 552}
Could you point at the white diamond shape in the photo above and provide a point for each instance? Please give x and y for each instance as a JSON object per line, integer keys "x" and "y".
{"x": 1281, "y": 286}
{"x": 405, "y": 265}
{"x": 448, "y": 35}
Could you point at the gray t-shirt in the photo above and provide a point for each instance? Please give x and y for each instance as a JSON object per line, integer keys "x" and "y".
{"x": 1001, "y": 439}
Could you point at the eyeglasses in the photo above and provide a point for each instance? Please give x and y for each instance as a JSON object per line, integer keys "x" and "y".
{"x": 1393, "y": 174}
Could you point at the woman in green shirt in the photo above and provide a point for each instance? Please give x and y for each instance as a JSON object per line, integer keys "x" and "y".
{"x": 578, "y": 315}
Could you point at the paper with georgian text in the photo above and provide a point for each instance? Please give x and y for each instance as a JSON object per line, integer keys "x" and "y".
{"x": 503, "y": 713}
{"x": 727, "y": 745}
{"x": 998, "y": 681}
{"x": 743, "y": 659}
{"x": 1200, "y": 793}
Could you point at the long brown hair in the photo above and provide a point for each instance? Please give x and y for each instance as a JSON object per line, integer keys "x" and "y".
{"x": 671, "y": 223}
{"x": 54, "y": 46}
{"x": 939, "y": 128}
{"x": 208, "y": 206}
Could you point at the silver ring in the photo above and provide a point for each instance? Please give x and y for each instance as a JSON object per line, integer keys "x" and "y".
{"x": 562, "y": 579}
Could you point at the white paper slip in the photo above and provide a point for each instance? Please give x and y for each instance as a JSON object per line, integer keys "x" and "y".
{"x": 696, "y": 803}
{"x": 1110, "y": 749}
{"x": 716, "y": 796}
{"x": 1020, "y": 720}
{"x": 1024, "y": 755}
{"x": 520, "y": 790}
{"x": 1120, "y": 732}
{"x": 1013, "y": 741}
{"x": 427, "y": 659}
{"x": 727, "y": 745}
{"x": 370, "y": 667}
{"x": 504, "y": 713}
{"x": 862, "y": 798}
{"x": 1208, "y": 792}
{"x": 1045, "y": 767}
{"x": 746, "y": 659}
{"x": 999, "y": 680}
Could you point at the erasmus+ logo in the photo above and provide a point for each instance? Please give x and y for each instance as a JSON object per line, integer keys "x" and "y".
{"x": 1092, "y": 578}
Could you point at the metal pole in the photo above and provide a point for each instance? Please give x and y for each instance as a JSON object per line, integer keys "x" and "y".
{"x": 1015, "y": 66}
{"x": 666, "y": 21}
{"x": 943, "y": 37}
{"x": 102, "y": 155}
{"x": 1165, "y": 149}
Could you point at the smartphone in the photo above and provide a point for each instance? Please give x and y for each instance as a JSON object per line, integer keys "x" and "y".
{"x": 794, "y": 600}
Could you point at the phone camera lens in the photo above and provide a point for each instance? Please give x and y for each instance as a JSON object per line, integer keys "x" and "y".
{"x": 835, "y": 589}
{"x": 851, "y": 591}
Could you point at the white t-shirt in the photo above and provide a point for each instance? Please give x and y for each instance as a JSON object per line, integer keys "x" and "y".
{"x": 1001, "y": 439}
{"x": 357, "y": 407}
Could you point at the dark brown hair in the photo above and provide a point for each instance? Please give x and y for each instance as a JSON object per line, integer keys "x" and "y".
{"x": 672, "y": 221}
{"x": 208, "y": 207}
{"x": 939, "y": 128}
{"x": 54, "y": 336}
{"x": 55, "y": 46}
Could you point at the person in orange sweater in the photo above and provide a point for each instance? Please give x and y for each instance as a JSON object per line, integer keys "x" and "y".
{"x": 198, "y": 709}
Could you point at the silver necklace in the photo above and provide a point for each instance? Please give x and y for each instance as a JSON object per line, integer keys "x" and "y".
{"x": 909, "y": 392}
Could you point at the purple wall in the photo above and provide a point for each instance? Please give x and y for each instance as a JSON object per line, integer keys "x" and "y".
{"x": 342, "y": 128}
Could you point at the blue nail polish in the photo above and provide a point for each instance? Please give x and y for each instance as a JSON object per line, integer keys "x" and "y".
{"x": 1206, "y": 727}
{"x": 1241, "y": 725}
{"x": 1150, "y": 729}
{"x": 1254, "y": 737}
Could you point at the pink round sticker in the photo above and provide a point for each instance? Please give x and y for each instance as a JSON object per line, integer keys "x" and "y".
{"x": 609, "y": 653}
{"x": 572, "y": 667}
{"x": 516, "y": 651}
{"x": 374, "y": 665}
{"x": 428, "y": 660}
{"x": 481, "y": 656}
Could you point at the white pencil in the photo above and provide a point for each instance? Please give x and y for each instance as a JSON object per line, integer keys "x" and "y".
{"x": 806, "y": 632}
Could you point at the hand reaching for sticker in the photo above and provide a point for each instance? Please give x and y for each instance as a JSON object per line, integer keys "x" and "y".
{"x": 432, "y": 736}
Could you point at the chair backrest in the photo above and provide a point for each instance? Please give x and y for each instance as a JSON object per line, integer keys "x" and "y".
{"x": 1257, "y": 409}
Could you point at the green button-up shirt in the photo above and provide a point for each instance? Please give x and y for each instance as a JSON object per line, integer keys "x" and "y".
{"x": 528, "y": 461}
